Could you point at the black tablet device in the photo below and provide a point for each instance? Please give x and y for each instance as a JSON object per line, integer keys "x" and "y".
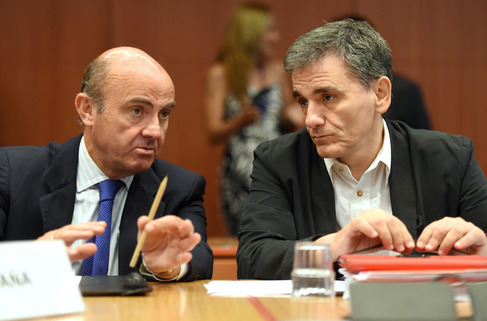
{"x": 132, "y": 284}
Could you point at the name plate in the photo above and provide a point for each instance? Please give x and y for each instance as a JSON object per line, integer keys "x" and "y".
{"x": 36, "y": 280}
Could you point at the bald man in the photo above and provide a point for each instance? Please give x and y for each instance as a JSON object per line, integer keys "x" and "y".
{"x": 124, "y": 106}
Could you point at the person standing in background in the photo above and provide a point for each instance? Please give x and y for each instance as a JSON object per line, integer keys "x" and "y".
{"x": 407, "y": 104}
{"x": 248, "y": 101}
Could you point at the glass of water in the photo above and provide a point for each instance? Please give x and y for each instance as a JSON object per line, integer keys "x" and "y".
{"x": 313, "y": 274}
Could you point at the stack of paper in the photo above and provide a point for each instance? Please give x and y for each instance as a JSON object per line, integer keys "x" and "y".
{"x": 249, "y": 288}
{"x": 257, "y": 288}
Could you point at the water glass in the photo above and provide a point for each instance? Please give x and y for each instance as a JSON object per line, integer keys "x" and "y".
{"x": 313, "y": 274}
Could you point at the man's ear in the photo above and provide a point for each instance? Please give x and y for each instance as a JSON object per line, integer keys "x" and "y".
{"x": 85, "y": 106}
{"x": 382, "y": 89}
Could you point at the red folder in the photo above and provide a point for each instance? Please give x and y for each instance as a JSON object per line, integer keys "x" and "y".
{"x": 355, "y": 263}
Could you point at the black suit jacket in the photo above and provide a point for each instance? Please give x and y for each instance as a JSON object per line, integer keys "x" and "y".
{"x": 291, "y": 196}
{"x": 37, "y": 194}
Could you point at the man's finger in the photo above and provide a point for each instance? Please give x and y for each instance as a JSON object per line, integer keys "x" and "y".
{"x": 81, "y": 252}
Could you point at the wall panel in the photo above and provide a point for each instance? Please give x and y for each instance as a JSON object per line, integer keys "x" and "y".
{"x": 45, "y": 47}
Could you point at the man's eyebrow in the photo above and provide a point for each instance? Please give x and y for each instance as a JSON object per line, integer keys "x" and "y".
{"x": 142, "y": 101}
{"x": 171, "y": 104}
{"x": 322, "y": 90}
{"x": 316, "y": 91}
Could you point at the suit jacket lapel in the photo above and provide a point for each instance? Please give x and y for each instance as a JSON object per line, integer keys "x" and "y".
{"x": 57, "y": 206}
{"x": 323, "y": 205}
{"x": 315, "y": 182}
{"x": 401, "y": 183}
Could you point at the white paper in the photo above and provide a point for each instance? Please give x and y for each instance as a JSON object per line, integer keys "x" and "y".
{"x": 36, "y": 280}
{"x": 257, "y": 288}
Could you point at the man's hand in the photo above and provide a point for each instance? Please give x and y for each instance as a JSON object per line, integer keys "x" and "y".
{"x": 452, "y": 233}
{"x": 168, "y": 242}
{"x": 73, "y": 232}
{"x": 370, "y": 228}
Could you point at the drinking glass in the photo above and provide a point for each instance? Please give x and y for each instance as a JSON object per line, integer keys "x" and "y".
{"x": 313, "y": 274}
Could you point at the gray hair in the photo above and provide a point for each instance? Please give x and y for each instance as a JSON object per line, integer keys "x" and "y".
{"x": 93, "y": 83}
{"x": 363, "y": 50}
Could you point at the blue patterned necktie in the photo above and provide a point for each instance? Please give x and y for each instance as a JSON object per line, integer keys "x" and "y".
{"x": 98, "y": 263}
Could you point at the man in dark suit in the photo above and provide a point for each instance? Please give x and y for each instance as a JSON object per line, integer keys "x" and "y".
{"x": 51, "y": 192}
{"x": 350, "y": 178}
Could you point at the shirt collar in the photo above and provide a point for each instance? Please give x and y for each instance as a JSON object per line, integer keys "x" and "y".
{"x": 89, "y": 174}
{"x": 383, "y": 156}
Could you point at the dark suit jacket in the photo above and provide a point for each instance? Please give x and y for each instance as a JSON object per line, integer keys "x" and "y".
{"x": 37, "y": 193}
{"x": 291, "y": 196}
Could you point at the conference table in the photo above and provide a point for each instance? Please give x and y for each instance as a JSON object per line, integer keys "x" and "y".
{"x": 190, "y": 301}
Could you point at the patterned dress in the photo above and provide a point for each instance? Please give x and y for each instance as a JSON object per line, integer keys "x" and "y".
{"x": 237, "y": 163}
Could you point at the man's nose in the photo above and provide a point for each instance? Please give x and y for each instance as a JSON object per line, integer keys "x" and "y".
{"x": 152, "y": 128}
{"x": 314, "y": 116}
